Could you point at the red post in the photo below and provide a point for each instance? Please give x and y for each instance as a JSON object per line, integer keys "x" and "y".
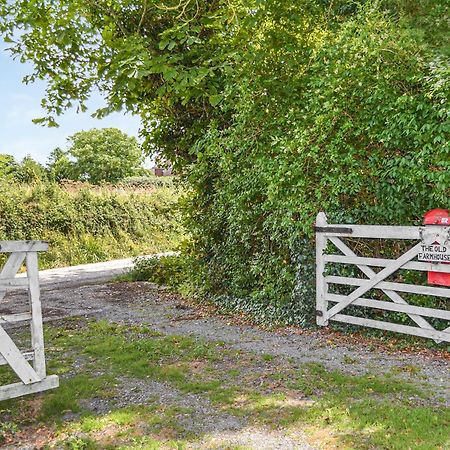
{"x": 438, "y": 217}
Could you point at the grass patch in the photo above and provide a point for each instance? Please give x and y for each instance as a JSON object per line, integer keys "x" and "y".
{"x": 129, "y": 427}
{"x": 363, "y": 412}
{"x": 347, "y": 411}
{"x": 66, "y": 398}
{"x": 315, "y": 377}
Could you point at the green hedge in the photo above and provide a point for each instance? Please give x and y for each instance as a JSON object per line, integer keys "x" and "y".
{"x": 354, "y": 121}
{"x": 89, "y": 224}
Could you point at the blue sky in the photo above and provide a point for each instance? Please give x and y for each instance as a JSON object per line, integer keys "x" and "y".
{"x": 20, "y": 103}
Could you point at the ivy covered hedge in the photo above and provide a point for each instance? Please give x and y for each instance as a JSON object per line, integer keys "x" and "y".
{"x": 353, "y": 119}
{"x": 84, "y": 224}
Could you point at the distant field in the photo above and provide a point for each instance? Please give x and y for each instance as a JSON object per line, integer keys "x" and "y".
{"x": 85, "y": 223}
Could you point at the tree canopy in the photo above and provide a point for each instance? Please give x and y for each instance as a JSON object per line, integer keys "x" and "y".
{"x": 8, "y": 166}
{"x": 97, "y": 155}
{"x": 163, "y": 61}
{"x": 272, "y": 110}
{"x": 26, "y": 171}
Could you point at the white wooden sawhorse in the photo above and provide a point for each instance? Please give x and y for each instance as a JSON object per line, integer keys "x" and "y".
{"x": 33, "y": 378}
{"x": 376, "y": 280}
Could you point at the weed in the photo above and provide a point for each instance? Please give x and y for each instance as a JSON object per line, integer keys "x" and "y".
{"x": 7, "y": 428}
{"x": 349, "y": 360}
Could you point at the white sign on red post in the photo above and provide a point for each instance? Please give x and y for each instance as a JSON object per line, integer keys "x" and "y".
{"x": 435, "y": 245}
{"x": 434, "y": 253}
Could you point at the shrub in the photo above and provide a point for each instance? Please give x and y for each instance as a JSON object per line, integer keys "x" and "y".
{"x": 165, "y": 270}
{"x": 148, "y": 181}
{"x": 88, "y": 224}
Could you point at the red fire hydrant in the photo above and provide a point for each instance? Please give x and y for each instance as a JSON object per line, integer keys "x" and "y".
{"x": 438, "y": 217}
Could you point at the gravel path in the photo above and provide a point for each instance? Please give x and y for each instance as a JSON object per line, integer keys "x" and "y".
{"x": 83, "y": 274}
{"x": 167, "y": 313}
{"x": 145, "y": 303}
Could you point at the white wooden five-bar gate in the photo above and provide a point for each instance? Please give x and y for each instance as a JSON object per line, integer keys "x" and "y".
{"x": 33, "y": 377}
{"x": 330, "y": 306}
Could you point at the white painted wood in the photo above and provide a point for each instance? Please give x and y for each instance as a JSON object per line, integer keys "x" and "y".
{"x": 394, "y": 296}
{"x": 321, "y": 285}
{"x": 405, "y": 329}
{"x": 376, "y": 280}
{"x": 401, "y": 287}
{"x": 28, "y": 355}
{"x": 15, "y": 359}
{"x": 23, "y": 246}
{"x": 375, "y": 231}
{"x": 366, "y": 285}
{"x": 381, "y": 262}
{"x": 19, "y": 389}
{"x": 33, "y": 379}
{"x": 11, "y": 318}
{"x": 13, "y": 283}
{"x": 389, "y": 306}
{"x": 37, "y": 333}
{"x": 11, "y": 267}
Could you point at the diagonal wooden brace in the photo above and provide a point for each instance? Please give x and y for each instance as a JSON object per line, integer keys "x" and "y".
{"x": 394, "y": 296}
{"x": 372, "y": 282}
{"x": 16, "y": 360}
{"x": 10, "y": 268}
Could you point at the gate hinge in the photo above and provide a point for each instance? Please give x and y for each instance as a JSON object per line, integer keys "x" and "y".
{"x": 334, "y": 230}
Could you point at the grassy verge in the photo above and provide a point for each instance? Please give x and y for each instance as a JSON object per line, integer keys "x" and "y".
{"x": 99, "y": 361}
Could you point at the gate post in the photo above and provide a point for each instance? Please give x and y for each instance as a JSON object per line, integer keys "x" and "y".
{"x": 321, "y": 284}
{"x": 37, "y": 332}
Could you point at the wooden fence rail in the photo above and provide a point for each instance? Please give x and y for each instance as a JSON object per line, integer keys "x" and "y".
{"x": 330, "y": 306}
{"x": 33, "y": 377}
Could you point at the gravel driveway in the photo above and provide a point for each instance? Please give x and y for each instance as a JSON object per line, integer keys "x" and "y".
{"x": 145, "y": 303}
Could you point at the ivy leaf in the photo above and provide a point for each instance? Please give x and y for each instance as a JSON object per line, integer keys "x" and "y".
{"x": 214, "y": 100}
{"x": 163, "y": 44}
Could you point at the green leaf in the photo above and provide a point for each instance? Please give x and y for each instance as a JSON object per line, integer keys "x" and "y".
{"x": 163, "y": 44}
{"x": 214, "y": 100}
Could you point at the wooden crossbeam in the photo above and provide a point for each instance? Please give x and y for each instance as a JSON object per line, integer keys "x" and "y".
{"x": 19, "y": 389}
{"x": 23, "y": 246}
{"x": 394, "y": 296}
{"x": 15, "y": 359}
{"x": 372, "y": 282}
{"x": 438, "y": 336}
{"x": 18, "y": 317}
{"x": 392, "y": 286}
{"x": 13, "y": 283}
{"x": 28, "y": 355}
{"x": 11, "y": 267}
{"x": 382, "y": 262}
{"x": 370, "y": 231}
{"x": 396, "y": 307}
